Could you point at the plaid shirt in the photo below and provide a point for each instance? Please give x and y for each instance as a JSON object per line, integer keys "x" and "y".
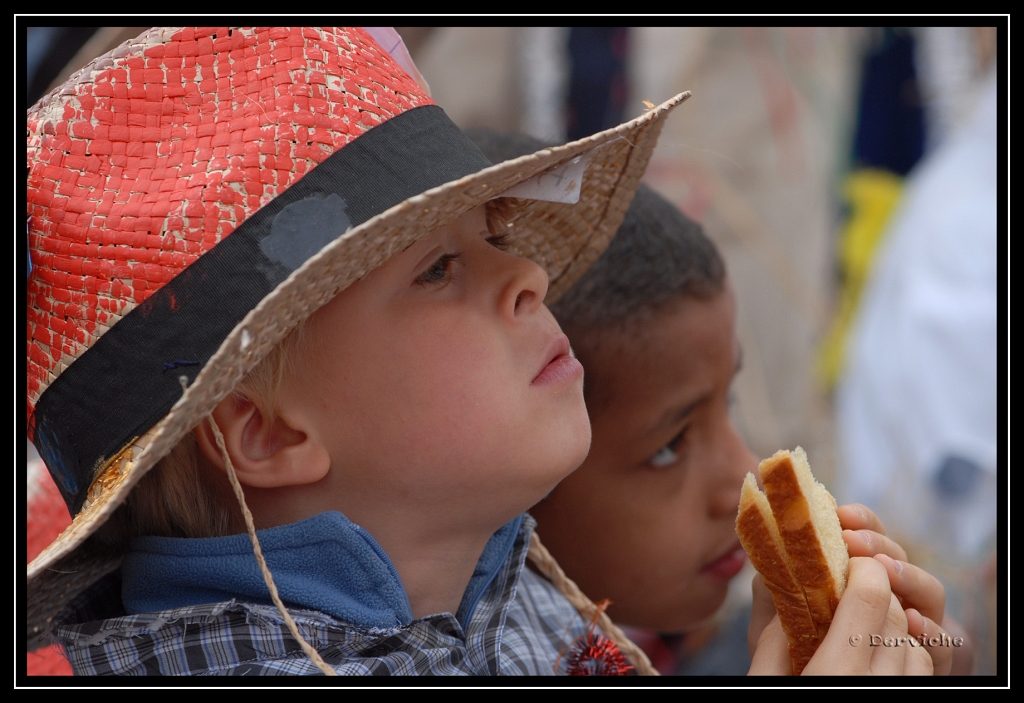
{"x": 519, "y": 627}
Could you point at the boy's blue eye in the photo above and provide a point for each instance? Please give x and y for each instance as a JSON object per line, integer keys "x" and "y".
{"x": 667, "y": 455}
{"x": 439, "y": 272}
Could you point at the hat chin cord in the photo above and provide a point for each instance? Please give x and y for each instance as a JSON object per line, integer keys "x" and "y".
{"x": 547, "y": 565}
{"x": 313, "y": 655}
{"x": 538, "y": 554}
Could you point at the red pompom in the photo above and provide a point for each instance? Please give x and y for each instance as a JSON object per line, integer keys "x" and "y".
{"x": 596, "y": 655}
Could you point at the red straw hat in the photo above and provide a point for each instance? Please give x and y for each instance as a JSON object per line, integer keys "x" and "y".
{"x": 318, "y": 155}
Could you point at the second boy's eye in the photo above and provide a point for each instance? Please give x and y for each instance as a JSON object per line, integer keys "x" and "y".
{"x": 667, "y": 455}
{"x": 439, "y": 273}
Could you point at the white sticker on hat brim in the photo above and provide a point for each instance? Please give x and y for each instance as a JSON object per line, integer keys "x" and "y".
{"x": 559, "y": 185}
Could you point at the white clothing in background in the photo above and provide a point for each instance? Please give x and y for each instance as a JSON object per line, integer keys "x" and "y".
{"x": 917, "y": 406}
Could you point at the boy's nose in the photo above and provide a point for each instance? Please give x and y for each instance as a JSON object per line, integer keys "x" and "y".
{"x": 524, "y": 288}
{"x": 738, "y": 461}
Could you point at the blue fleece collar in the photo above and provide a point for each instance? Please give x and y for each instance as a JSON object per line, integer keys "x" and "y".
{"x": 325, "y": 563}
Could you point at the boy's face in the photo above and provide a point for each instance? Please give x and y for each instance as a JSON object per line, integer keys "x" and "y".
{"x": 648, "y": 520}
{"x": 442, "y": 387}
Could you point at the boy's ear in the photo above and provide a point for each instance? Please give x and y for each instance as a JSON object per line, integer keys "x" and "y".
{"x": 265, "y": 450}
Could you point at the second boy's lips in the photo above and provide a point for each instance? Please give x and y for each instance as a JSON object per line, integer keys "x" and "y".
{"x": 727, "y": 563}
{"x": 559, "y": 362}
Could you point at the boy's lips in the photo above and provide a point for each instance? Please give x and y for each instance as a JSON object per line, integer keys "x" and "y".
{"x": 559, "y": 363}
{"x": 727, "y": 564}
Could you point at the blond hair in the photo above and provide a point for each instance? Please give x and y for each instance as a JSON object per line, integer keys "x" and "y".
{"x": 184, "y": 495}
{"x": 501, "y": 213}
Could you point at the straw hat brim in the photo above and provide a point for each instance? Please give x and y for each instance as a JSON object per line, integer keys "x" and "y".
{"x": 563, "y": 238}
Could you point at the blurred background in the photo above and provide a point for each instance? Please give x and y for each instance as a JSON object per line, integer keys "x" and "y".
{"x": 848, "y": 176}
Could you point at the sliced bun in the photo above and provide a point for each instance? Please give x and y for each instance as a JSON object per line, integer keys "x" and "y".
{"x": 760, "y": 538}
{"x": 792, "y": 536}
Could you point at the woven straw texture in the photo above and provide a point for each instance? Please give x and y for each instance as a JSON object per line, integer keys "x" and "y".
{"x": 148, "y": 157}
{"x": 156, "y": 151}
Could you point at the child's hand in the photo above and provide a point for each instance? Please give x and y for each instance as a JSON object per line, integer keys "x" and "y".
{"x": 921, "y": 594}
{"x": 868, "y": 607}
{"x": 864, "y": 535}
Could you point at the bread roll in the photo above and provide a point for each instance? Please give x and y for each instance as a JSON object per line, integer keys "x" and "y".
{"x": 792, "y": 536}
